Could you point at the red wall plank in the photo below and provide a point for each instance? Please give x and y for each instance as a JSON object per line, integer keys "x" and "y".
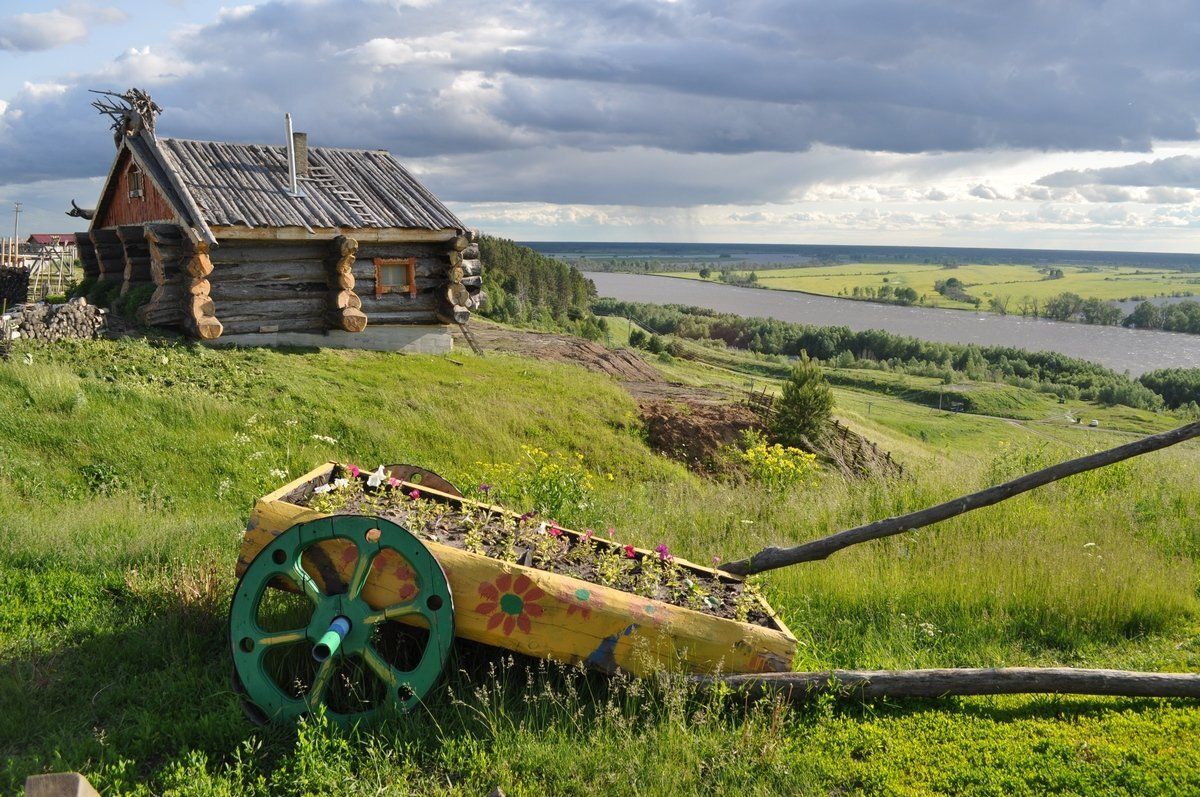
{"x": 124, "y": 209}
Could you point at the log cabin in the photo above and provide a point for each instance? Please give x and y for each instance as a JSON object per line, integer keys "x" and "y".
{"x": 280, "y": 244}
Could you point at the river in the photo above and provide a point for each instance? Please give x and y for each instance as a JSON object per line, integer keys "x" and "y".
{"x": 1132, "y": 350}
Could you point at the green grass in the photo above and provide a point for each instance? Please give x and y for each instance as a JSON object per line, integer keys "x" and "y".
{"x": 127, "y": 471}
{"x": 1011, "y": 282}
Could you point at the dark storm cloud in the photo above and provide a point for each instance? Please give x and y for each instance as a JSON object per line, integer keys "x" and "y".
{"x": 1180, "y": 171}
{"x": 687, "y": 87}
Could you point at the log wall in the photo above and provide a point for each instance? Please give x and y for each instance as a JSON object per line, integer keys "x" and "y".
{"x": 297, "y": 286}
{"x": 87, "y": 254}
{"x": 137, "y": 257}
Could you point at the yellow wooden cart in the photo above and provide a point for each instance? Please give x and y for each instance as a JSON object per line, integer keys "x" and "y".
{"x": 358, "y": 574}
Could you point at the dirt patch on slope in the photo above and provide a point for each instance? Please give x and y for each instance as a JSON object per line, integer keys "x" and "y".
{"x": 620, "y": 363}
{"x": 694, "y": 433}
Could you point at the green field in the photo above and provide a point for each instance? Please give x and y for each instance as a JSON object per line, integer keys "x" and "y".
{"x": 1004, "y": 282}
{"x": 128, "y": 470}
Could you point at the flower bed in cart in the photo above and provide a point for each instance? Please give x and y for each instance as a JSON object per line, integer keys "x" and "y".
{"x": 527, "y": 584}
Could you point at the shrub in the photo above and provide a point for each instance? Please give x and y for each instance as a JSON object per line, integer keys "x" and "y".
{"x": 802, "y": 412}
{"x": 776, "y": 467}
{"x": 127, "y": 306}
{"x": 557, "y": 486}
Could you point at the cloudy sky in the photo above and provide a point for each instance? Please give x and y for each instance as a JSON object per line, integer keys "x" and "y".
{"x": 1034, "y": 124}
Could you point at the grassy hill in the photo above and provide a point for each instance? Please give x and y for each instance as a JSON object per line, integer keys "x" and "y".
{"x": 127, "y": 470}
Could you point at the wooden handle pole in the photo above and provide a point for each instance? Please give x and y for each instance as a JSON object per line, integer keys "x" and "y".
{"x": 799, "y": 686}
{"x": 772, "y": 558}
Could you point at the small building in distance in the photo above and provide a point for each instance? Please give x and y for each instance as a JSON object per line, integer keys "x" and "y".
{"x": 60, "y": 243}
{"x": 287, "y": 243}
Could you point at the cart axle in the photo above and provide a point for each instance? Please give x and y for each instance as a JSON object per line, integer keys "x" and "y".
{"x": 331, "y": 640}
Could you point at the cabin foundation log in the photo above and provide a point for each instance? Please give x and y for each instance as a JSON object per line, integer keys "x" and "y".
{"x": 136, "y": 252}
{"x": 345, "y": 307}
{"x": 87, "y": 255}
{"x": 169, "y": 250}
{"x": 199, "y": 312}
{"x": 110, "y": 255}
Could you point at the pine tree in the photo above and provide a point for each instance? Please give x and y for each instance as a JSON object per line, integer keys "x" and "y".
{"x": 803, "y": 411}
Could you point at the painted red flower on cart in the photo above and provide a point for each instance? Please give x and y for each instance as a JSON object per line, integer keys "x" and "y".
{"x": 510, "y": 602}
{"x": 403, "y": 582}
{"x": 581, "y": 602}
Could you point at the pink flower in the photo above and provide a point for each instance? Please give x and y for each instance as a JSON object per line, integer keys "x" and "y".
{"x": 611, "y": 532}
{"x": 716, "y": 561}
{"x": 554, "y": 530}
{"x": 354, "y": 471}
{"x": 630, "y": 553}
{"x": 393, "y": 482}
{"x": 587, "y": 534}
{"x": 663, "y": 554}
{"x": 415, "y": 494}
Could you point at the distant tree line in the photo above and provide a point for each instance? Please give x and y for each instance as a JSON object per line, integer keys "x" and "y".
{"x": 887, "y": 294}
{"x": 1179, "y": 387}
{"x": 527, "y": 288}
{"x": 1176, "y": 317}
{"x": 1047, "y": 372}
{"x": 706, "y": 266}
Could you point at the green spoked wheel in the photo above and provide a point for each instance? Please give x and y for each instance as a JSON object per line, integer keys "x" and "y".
{"x": 362, "y": 625}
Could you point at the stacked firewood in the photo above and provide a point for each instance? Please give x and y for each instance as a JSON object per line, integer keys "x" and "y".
{"x": 75, "y": 320}
{"x": 14, "y": 285}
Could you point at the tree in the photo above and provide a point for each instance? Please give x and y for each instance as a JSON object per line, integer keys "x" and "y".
{"x": 705, "y": 273}
{"x": 802, "y": 412}
{"x": 1146, "y": 315}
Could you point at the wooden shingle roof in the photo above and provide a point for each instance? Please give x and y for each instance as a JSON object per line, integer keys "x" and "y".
{"x": 217, "y": 184}
{"x": 247, "y": 184}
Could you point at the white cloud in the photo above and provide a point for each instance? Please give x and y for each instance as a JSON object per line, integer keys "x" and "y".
{"x": 985, "y": 192}
{"x": 47, "y": 30}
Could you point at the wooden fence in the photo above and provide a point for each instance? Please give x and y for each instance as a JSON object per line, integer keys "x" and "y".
{"x": 10, "y": 252}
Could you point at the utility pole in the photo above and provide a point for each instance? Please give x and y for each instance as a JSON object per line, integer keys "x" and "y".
{"x": 16, "y": 238}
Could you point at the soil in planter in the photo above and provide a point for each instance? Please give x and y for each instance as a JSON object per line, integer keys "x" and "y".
{"x": 535, "y": 542}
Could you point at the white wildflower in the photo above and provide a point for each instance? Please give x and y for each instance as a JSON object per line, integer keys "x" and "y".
{"x": 253, "y": 419}
{"x": 322, "y": 488}
{"x": 278, "y": 473}
{"x": 241, "y": 438}
{"x": 377, "y": 478}
{"x": 291, "y": 422}
{"x": 324, "y": 438}
{"x": 1089, "y": 545}
{"x": 258, "y": 455}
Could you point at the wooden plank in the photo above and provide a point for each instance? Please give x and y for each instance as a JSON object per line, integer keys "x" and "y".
{"x": 408, "y": 317}
{"x": 226, "y": 290}
{"x": 800, "y": 687}
{"x": 241, "y": 326}
{"x": 363, "y": 234}
{"x": 295, "y": 271}
{"x": 269, "y": 252}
